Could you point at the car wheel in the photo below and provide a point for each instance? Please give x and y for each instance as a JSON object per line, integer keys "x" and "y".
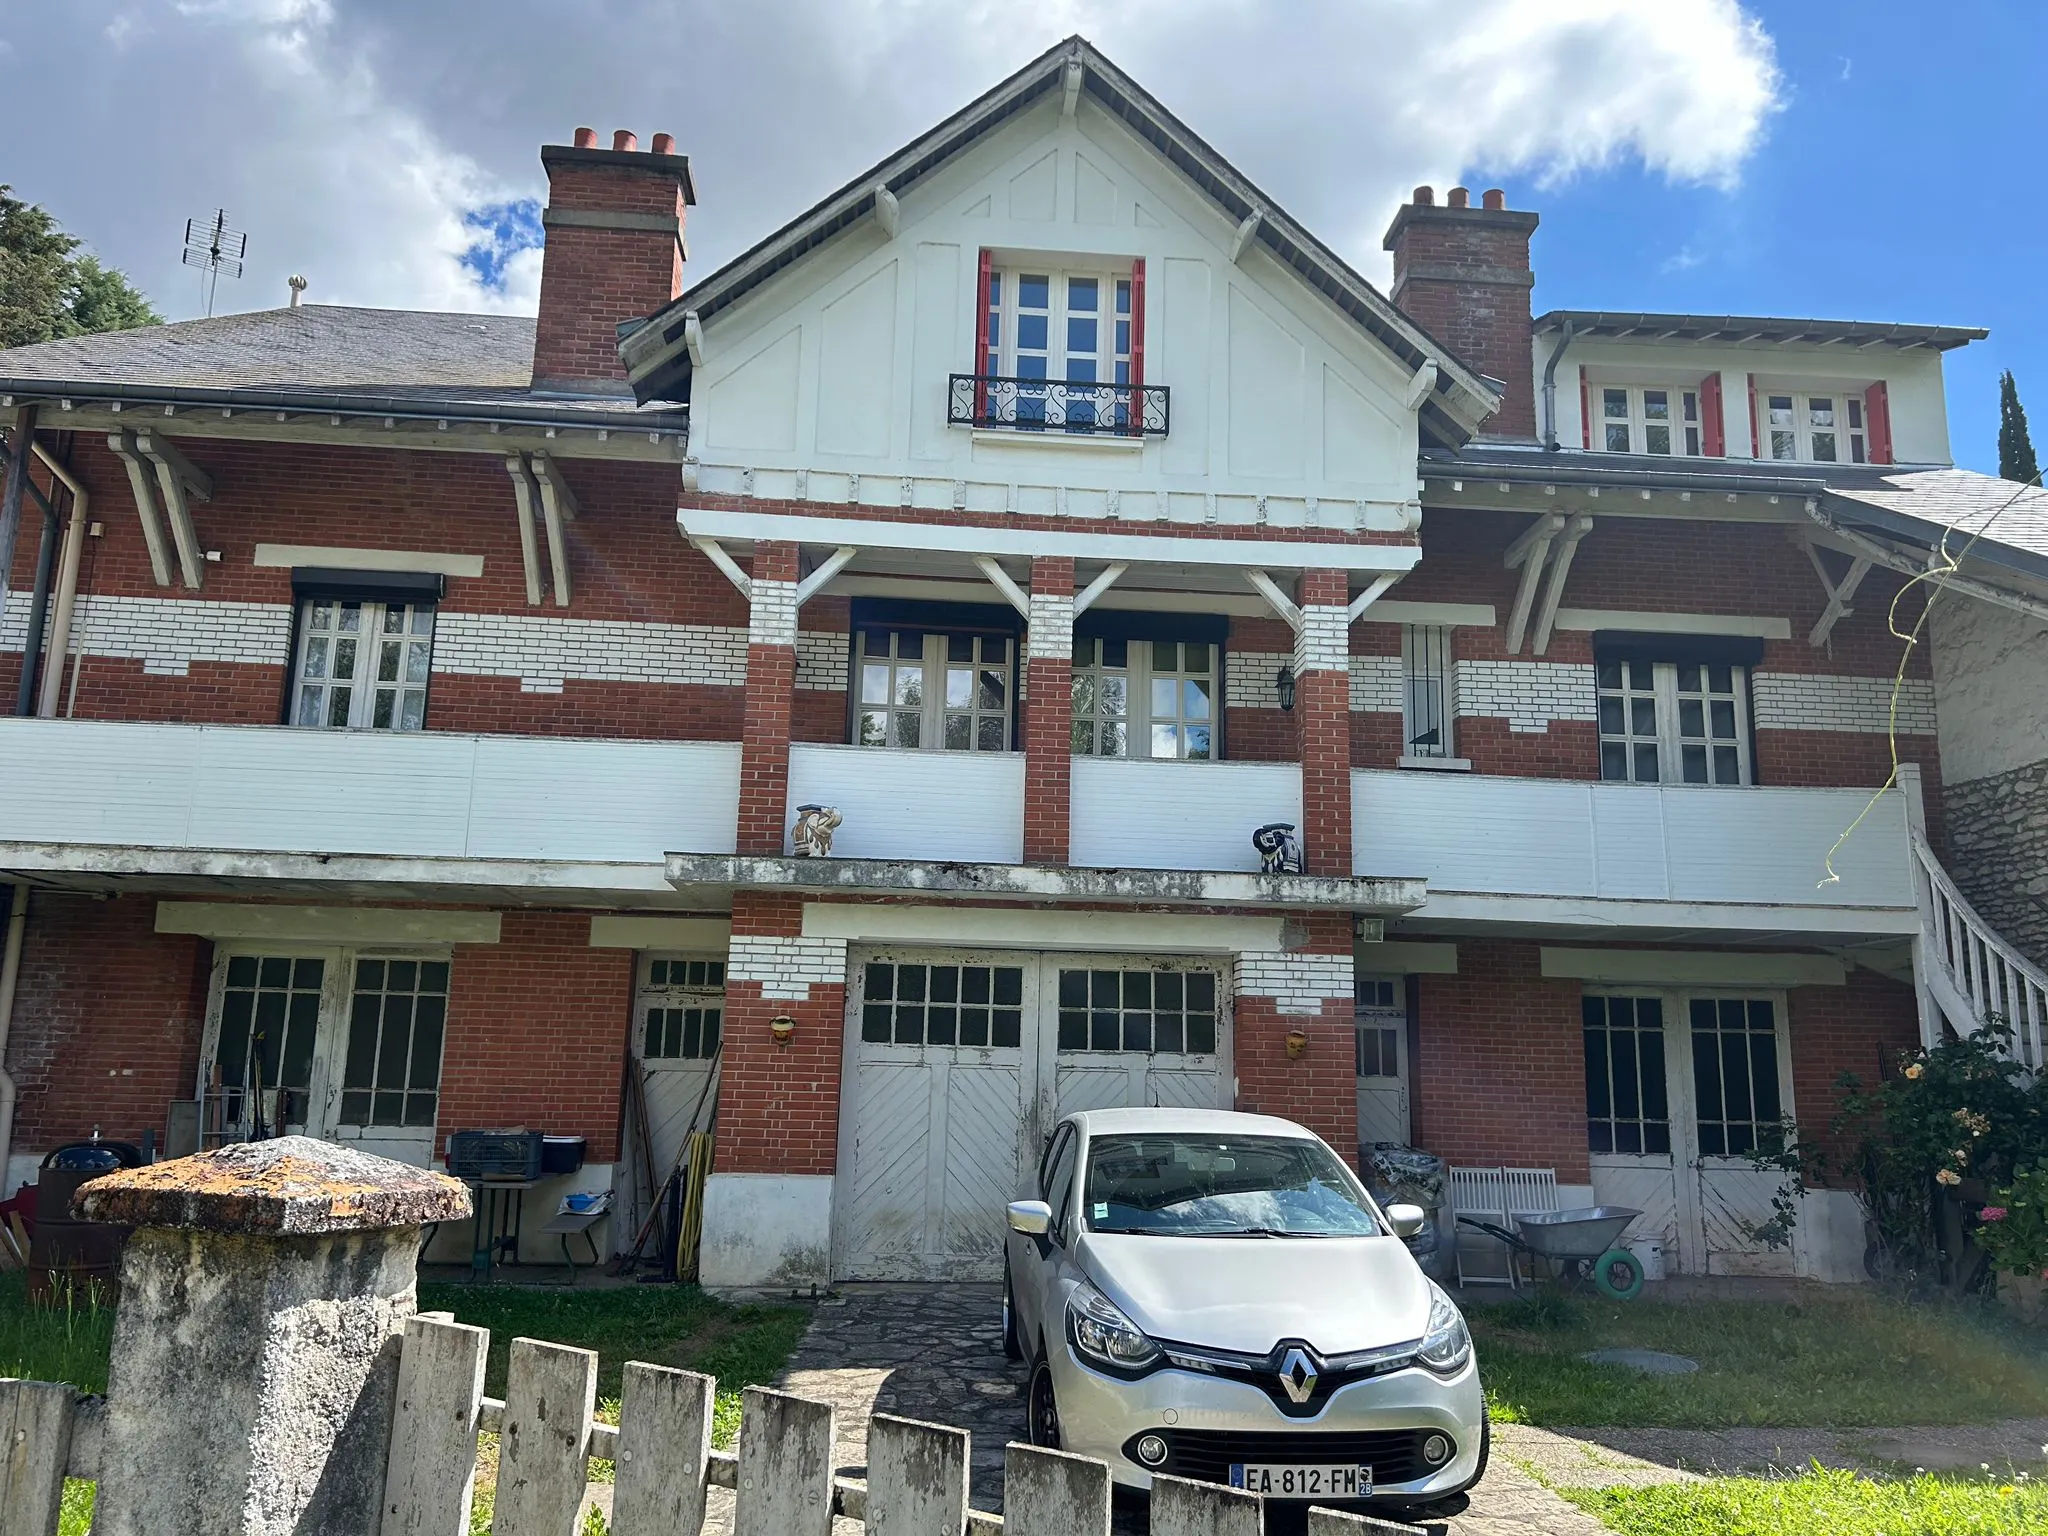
{"x": 1042, "y": 1408}
{"x": 1013, "y": 1347}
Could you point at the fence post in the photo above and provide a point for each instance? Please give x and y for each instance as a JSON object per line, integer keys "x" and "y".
{"x": 432, "y": 1468}
{"x": 664, "y": 1444}
{"x": 1183, "y": 1508}
{"x": 917, "y": 1478}
{"x": 785, "y": 1471}
{"x": 549, "y": 1392}
{"x": 35, "y": 1421}
{"x": 1050, "y": 1493}
{"x": 264, "y": 1295}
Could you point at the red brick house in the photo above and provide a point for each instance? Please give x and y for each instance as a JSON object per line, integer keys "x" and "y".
{"x": 415, "y": 709}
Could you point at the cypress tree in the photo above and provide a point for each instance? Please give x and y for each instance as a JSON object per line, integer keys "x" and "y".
{"x": 2015, "y": 448}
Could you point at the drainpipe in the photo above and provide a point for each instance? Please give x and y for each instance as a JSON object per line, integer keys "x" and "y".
{"x": 38, "y": 611}
{"x": 1564, "y": 340}
{"x": 10, "y": 975}
{"x": 68, "y": 561}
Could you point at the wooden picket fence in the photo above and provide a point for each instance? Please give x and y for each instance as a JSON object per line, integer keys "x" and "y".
{"x": 782, "y": 1475}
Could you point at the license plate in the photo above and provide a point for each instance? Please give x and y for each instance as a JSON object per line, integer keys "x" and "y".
{"x": 1340, "y": 1480}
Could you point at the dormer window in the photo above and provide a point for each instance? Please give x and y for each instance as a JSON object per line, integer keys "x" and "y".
{"x": 1653, "y": 419}
{"x": 1816, "y": 429}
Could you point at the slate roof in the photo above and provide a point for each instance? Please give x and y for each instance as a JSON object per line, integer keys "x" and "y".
{"x": 316, "y": 356}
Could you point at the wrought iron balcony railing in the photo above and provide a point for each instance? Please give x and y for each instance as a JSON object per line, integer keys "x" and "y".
{"x": 1055, "y": 405}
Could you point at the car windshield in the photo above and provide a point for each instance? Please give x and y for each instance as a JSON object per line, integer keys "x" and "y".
{"x": 1221, "y": 1186}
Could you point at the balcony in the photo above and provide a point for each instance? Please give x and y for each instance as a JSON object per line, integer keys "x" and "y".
{"x": 1502, "y": 849}
{"x": 424, "y": 807}
{"x": 1174, "y": 815}
{"x": 951, "y": 807}
{"x": 1070, "y": 408}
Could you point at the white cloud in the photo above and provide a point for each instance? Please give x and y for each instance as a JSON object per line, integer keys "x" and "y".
{"x": 350, "y": 136}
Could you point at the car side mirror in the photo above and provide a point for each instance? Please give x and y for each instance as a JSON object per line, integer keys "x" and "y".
{"x": 1030, "y": 1217}
{"x": 1406, "y": 1220}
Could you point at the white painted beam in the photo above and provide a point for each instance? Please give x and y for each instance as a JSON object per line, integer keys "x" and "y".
{"x": 1085, "y": 598}
{"x": 176, "y": 477}
{"x": 162, "y": 452}
{"x": 1422, "y": 385}
{"x": 713, "y": 551}
{"x": 1530, "y": 551}
{"x": 142, "y": 481}
{"x": 888, "y": 211}
{"x": 1277, "y": 600}
{"x": 1070, "y": 90}
{"x": 523, "y": 497}
{"x": 1838, "y": 593}
{"x": 1355, "y": 610}
{"x": 558, "y": 506}
{"x": 1242, "y": 240}
{"x": 829, "y": 567}
{"x": 693, "y": 338}
{"x": 1000, "y": 579}
{"x": 1540, "y": 532}
{"x": 1560, "y": 567}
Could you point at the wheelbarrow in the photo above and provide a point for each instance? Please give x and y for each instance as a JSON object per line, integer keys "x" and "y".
{"x": 1578, "y": 1245}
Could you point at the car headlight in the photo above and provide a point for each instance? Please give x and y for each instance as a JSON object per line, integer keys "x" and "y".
{"x": 1446, "y": 1344}
{"x": 1103, "y": 1334}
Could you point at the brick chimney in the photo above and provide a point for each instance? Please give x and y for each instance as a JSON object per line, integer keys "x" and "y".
{"x": 1462, "y": 274}
{"x": 614, "y": 224}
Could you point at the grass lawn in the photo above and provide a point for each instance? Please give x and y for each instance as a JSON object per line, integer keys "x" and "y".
{"x": 1821, "y": 1503}
{"x": 1864, "y": 1360}
{"x": 67, "y": 1342}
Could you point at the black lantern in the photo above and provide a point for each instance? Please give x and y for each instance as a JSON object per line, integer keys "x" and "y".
{"x": 1285, "y": 684}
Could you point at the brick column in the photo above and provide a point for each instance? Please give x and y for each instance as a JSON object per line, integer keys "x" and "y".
{"x": 1322, "y": 703}
{"x": 1049, "y": 711}
{"x": 771, "y": 697}
{"x": 1281, "y": 992}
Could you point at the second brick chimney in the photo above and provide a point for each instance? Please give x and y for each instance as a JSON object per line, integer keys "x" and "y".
{"x": 614, "y": 224}
{"x": 1462, "y": 274}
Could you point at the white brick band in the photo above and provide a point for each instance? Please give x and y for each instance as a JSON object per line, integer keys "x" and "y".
{"x": 1051, "y": 627}
{"x": 771, "y": 616}
{"x": 1295, "y": 983}
{"x": 166, "y": 634}
{"x": 786, "y": 968}
{"x": 1323, "y": 643}
{"x": 821, "y": 661}
{"x": 1801, "y": 701}
{"x": 1527, "y": 694}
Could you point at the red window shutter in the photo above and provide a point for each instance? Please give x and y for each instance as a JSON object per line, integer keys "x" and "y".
{"x": 1713, "y": 427}
{"x": 1137, "y": 406}
{"x": 1877, "y": 410}
{"x": 981, "y": 337}
{"x": 1756, "y": 443}
{"x": 1585, "y": 410}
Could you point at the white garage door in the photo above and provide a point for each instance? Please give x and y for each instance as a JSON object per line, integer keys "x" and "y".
{"x": 959, "y": 1063}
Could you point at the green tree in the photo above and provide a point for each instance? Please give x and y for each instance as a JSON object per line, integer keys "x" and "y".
{"x": 49, "y": 290}
{"x": 2015, "y": 448}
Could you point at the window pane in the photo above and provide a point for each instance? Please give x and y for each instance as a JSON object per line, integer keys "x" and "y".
{"x": 1646, "y": 763}
{"x": 1614, "y": 402}
{"x": 1656, "y": 439}
{"x": 1617, "y": 438}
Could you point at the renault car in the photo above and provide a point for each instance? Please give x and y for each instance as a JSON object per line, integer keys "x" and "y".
{"x": 1217, "y": 1296}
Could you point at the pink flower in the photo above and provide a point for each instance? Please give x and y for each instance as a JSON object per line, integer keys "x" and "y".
{"x": 1992, "y": 1213}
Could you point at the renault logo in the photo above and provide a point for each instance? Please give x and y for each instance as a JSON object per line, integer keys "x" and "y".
{"x": 1298, "y": 1374}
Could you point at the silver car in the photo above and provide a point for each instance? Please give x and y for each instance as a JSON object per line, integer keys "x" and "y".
{"x": 1216, "y": 1296}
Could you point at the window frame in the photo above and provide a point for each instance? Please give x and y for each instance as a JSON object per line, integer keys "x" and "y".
{"x": 363, "y": 684}
{"x": 1669, "y": 738}
{"x": 1681, "y": 1087}
{"x": 707, "y": 995}
{"x": 1140, "y": 674}
{"x": 1851, "y": 426}
{"x": 1004, "y": 344}
{"x": 1427, "y": 661}
{"x": 937, "y": 635}
{"x": 1687, "y": 431}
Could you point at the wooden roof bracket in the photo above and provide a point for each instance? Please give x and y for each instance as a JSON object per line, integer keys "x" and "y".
{"x": 1529, "y": 551}
{"x": 524, "y": 495}
{"x": 558, "y": 507}
{"x": 177, "y": 478}
{"x": 142, "y": 481}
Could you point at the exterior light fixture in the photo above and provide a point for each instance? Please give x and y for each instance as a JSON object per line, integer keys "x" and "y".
{"x": 1297, "y": 1043}
{"x": 1284, "y": 682}
{"x": 782, "y": 1027}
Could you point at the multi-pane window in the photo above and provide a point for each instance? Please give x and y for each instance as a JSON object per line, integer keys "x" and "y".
{"x": 1144, "y": 698}
{"x": 978, "y": 1005}
{"x": 682, "y": 1010}
{"x": 1649, "y": 419}
{"x": 1376, "y": 1013}
{"x": 392, "y": 1075}
{"x": 269, "y": 1023}
{"x": 1820, "y": 429}
{"x": 363, "y": 664}
{"x": 1735, "y": 1075}
{"x": 1664, "y": 722}
{"x": 1067, "y": 327}
{"x": 934, "y": 691}
{"x": 1162, "y": 1013}
{"x": 1426, "y": 707}
{"x": 1628, "y": 1107}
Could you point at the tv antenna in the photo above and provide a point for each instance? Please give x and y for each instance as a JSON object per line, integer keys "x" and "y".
{"x": 214, "y": 248}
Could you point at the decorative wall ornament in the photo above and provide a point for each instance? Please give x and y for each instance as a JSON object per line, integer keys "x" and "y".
{"x": 1279, "y": 849}
{"x": 812, "y": 835}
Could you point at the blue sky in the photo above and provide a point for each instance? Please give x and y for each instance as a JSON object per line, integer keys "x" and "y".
{"x": 1901, "y": 180}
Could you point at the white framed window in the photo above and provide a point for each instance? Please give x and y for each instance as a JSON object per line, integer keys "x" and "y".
{"x": 934, "y": 691}
{"x": 362, "y": 665}
{"x": 1649, "y": 418}
{"x": 1145, "y": 698}
{"x": 1158, "y": 1012}
{"x": 1426, "y": 704}
{"x": 682, "y": 1009}
{"x": 1817, "y": 429}
{"x": 1664, "y": 722}
{"x": 1379, "y": 1017}
{"x": 1069, "y": 326}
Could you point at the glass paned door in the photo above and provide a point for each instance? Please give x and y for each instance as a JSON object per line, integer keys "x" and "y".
{"x": 392, "y": 1073}
{"x": 363, "y": 665}
{"x": 1380, "y": 1021}
{"x": 266, "y": 1032}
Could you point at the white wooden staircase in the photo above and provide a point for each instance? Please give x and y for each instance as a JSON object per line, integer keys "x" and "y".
{"x": 1970, "y": 976}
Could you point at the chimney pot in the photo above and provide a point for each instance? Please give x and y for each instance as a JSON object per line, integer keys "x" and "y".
{"x": 586, "y": 138}
{"x": 664, "y": 144}
{"x": 1425, "y": 197}
{"x": 1494, "y": 199}
{"x": 1460, "y": 197}
{"x": 625, "y": 139}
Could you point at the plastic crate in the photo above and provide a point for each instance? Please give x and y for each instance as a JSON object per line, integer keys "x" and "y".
{"x": 494, "y": 1154}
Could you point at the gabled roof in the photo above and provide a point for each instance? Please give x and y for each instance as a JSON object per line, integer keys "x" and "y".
{"x": 655, "y": 352}
{"x": 1616, "y": 325}
{"x": 322, "y": 357}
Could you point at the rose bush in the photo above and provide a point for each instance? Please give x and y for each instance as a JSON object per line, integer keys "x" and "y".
{"x": 2013, "y": 1229}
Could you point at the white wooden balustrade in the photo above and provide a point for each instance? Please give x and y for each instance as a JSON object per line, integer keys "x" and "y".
{"x": 1972, "y": 974}
{"x": 782, "y": 1474}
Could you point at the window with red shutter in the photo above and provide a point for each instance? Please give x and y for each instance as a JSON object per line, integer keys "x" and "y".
{"x": 1712, "y": 421}
{"x": 1877, "y": 404}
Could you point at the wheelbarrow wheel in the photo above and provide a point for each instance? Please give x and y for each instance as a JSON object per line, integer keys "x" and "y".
{"x": 1619, "y": 1274}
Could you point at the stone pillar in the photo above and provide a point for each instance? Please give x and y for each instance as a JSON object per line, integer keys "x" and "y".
{"x": 264, "y": 1295}
{"x": 771, "y": 699}
{"x": 1322, "y": 693}
{"x": 1304, "y": 992}
{"x": 1049, "y": 711}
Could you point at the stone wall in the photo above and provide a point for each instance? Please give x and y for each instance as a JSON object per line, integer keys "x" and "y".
{"x": 1998, "y": 853}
